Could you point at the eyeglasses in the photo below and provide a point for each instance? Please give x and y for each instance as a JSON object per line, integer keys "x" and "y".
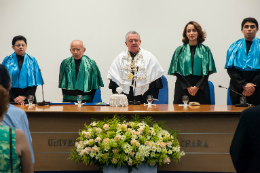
{"x": 76, "y": 49}
{"x": 131, "y": 41}
{"x": 249, "y": 26}
{"x": 19, "y": 45}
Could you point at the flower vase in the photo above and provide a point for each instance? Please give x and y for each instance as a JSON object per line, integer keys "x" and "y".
{"x": 143, "y": 168}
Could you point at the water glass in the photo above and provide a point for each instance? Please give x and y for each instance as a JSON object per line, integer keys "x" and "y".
{"x": 79, "y": 99}
{"x": 185, "y": 100}
{"x": 149, "y": 99}
{"x": 243, "y": 100}
{"x": 30, "y": 100}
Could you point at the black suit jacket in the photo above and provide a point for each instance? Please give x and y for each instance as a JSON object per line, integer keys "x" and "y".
{"x": 245, "y": 147}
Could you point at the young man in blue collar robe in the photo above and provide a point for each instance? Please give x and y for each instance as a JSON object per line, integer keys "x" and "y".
{"x": 24, "y": 71}
{"x": 79, "y": 75}
{"x": 243, "y": 64}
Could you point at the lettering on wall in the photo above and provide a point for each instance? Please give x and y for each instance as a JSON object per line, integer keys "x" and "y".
{"x": 194, "y": 143}
{"x": 61, "y": 142}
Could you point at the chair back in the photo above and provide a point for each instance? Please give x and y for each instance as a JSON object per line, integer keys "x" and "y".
{"x": 228, "y": 97}
{"x": 212, "y": 93}
{"x": 97, "y": 96}
{"x": 163, "y": 93}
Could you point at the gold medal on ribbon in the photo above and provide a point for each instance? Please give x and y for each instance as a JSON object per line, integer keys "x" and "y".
{"x": 130, "y": 76}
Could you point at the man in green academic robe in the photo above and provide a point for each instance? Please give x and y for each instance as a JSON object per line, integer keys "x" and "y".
{"x": 79, "y": 75}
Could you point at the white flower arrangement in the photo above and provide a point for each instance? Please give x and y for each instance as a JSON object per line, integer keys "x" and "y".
{"x": 120, "y": 143}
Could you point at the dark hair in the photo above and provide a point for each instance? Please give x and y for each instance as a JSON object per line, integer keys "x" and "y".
{"x": 201, "y": 36}
{"x": 4, "y": 101}
{"x": 5, "y": 78}
{"x": 19, "y": 37}
{"x": 249, "y": 19}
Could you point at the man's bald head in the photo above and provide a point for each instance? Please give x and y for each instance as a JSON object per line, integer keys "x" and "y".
{"x": 77, "y": 49}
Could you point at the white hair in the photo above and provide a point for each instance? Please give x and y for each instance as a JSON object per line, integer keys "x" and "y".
{"x": 80, "y": 41}
{"x": 132, "y": 32}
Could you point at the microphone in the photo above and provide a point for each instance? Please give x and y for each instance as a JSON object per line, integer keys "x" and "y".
{"x": 220, "y": 86}
{"x": 240, "y": 104}
{"x": 43, "y": 103}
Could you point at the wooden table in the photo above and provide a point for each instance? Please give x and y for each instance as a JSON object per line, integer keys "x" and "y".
{"x": 206, "y": 133}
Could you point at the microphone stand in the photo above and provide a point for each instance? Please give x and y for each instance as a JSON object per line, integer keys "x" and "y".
{"x": 43, "y": 103}
{"x": 244, "y": 97}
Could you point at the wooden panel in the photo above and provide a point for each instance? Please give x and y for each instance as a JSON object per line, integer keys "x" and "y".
{"x": 62, "y": 142}
{"x": 139, "y": 109}
{"x": 201, "y": 163}
{"x": 190, "y": 162}
{"x": 58, "y": 162}
{"x": 186, "y": 123}
{"x": 206, "y": 123}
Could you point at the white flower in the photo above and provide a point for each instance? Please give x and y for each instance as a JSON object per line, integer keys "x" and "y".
{"x": 140, "y": 130}
{"x": 146, "y": 154}
{"x": 123, "y": 137}
{"x": 159, "y": 150}
{"x": 170, "y": 152}
{"x": 117, "y": 138}
{"x": 93, "y": 123}
{"x": 182, "y": 153}
{"x": 106, "y": 127}
{"x": 142, "y": 152}
{"x": 153, "y": 148}
{"x": 167, "y": 160}
{"x": 130, "y": 162}
{"x": 147, "y": 148}
{"x": 86, "y": 134}
{"x": 153, "y": 154}
{"x": 127, "y": 151}
{"x": 99, "y": 130}
{"x": 92, "y": 154}
{"x": 169, "y": 144}
{"x": 94, "y": 149}
{"x": 124, "y": 126}
{"x": 126, "y": 158}
{"x": 98, "y": 139}
{"x": 85, "y": 142}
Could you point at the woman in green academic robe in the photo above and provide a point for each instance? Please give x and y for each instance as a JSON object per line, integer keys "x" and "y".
{"x": 192, "y": 63}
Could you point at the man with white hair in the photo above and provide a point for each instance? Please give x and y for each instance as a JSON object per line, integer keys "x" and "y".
{"x": 136, "y": 70}
{"x": 79, "y": 75}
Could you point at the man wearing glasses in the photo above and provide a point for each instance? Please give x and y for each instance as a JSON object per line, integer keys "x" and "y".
{"x": 79, "y": 75}
{"x": 24, "y": 72}
{"x": 243, "y": 64}
{"x": 136, "y": 70}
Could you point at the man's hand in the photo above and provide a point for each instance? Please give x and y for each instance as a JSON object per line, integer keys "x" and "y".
{"x": 193, "y": 90}
{"x": 20, "y": 100}
{"x": 245, "y": 93}
{"x": 249, "y": 88}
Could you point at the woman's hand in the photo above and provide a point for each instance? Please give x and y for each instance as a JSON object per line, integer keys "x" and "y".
{"x": 20, "y": 100}
{"x": 193, "y": 90}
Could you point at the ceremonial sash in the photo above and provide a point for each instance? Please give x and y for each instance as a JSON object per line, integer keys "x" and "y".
{"x": 88, "y": 78}
{"x": 30, "y": 74}
{"x": 181, "y": 63}
{"x": 238, "y": 58}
